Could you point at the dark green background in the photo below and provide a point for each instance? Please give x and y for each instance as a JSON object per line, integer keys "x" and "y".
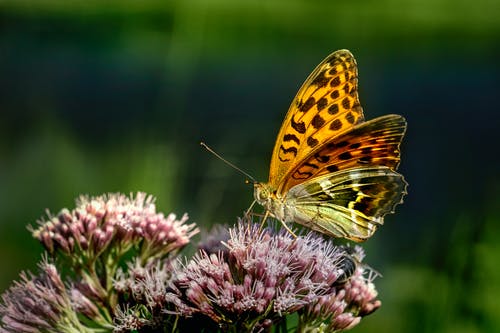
{"x": 116, "y": 95}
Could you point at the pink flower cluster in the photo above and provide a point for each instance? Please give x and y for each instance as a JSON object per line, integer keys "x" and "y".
{"x": 100, "y": 235}
{"x": 39, "y": 304}
{"x": 264, "y": 276}
{"x": 122, "y": 276}
{"x": 343, "y": 306}
{"x": 113, "y": 219}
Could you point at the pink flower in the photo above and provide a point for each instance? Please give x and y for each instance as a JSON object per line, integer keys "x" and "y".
{"x": 263, "y": 276}
{"x": 39, "y": 304}
{"x": 113, "y": 220}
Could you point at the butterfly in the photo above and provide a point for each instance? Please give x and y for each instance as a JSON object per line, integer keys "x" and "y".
{"x": 331, "y": 170}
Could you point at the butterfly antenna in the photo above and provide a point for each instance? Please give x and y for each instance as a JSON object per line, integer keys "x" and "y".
{"x": 204, "y": 145}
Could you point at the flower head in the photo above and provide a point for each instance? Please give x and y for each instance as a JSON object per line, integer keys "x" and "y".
{"x": 113, "y": 220}
{"x": 262, "y": 277}
{"x": 148, "y": 295}
{"x": 100, "y": 235}
{"x": 344, "y": 305}
{"x": 39, "y": 304}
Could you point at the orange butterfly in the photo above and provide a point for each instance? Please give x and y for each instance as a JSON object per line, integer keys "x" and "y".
{"x": 331, "y": 171}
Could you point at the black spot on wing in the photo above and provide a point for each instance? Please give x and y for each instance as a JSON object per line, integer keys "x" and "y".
{"x": 332, "y": 168}
{"x": 335, "y": 82}
{"x": 335, "y": 94}
{"x": 320, "y": 80}
{"x": 292, "y": 150}
{"x": 341, "y": 144}
{"x": 311, "y": 142}
{"x": 360, "y": 206}
{"x": 355, "y": 145}
{"x": 322, "y": 103}
{"x": 317, "y": 121}
{"x": 333, "y": 109}
{"x": 365, "y": 159}
{"x": 350, "y": 117}
{"x": 346, "y": 104}
{"x": 300, "y": 127}
{"x": 366, "y": 150}
{"x": 336, "y": 125}
{"x": 301, "y": 175}
{"x": 291, "y": 137}
{"x": 321, "y": 158}
{"x": 304, "y": 174}
{"x": 311, "y": 165}
{"x": 345, "y": 156}
{"x": 346, "y": 88}
{"x": 307, "y": 105}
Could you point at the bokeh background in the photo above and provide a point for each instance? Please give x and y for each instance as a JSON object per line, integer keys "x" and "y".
{"x": 106, "y": 96}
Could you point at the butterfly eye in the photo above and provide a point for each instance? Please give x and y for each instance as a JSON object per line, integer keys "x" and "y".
{"x": 261, "y": 193}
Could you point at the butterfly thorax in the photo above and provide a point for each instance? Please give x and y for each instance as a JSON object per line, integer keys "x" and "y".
{"x": 267, "y": 196}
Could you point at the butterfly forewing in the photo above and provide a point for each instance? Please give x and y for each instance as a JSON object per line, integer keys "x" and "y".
{"x": 349, "y": 203}
{"x": 326, "y": 105}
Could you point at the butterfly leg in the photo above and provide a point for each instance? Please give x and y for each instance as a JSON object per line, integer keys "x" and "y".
{"x": 288, "y": 229}
{"x": 248, "y": 212}
{"x": 263, "y": 220}
{"x": 266, "y": 215}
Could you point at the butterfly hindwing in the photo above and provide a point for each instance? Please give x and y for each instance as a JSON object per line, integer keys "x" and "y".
{"x": 349, "y": 203}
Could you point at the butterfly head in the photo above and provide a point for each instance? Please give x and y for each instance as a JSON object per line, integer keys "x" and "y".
{"x": 266, "y": 195}
{"x": 262, "y": 193}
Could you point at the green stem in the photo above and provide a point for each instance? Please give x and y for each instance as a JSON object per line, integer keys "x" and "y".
{"x": 110, "y": 267}
{"x": 90, "y": 276}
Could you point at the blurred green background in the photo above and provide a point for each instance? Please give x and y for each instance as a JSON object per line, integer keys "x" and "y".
{"x": 100, "y": 96}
